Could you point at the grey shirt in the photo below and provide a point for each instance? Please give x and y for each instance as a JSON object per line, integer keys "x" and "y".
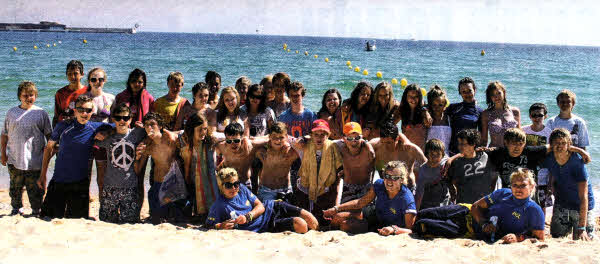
{"x": 431, "y": 188}
{"x": 120, "y": 151}
{"x": 475, "y": 177}
{"x": 26, "y": 131}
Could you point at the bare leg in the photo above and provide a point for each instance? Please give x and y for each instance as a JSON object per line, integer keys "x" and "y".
{"x": 300, "y": 225}
{"x": 309, "y": 220}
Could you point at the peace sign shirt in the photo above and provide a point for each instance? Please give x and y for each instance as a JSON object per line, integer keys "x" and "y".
{"x": 120, "y": 153}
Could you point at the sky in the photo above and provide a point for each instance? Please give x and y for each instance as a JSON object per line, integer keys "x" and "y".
{"x": 506, "y": 21}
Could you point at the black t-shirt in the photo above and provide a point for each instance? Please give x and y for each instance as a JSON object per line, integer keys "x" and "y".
{"x": 506, "y": 165}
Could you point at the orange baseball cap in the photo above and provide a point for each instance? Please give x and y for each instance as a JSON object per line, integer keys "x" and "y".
{"x": 320, "y": 124}
{"x": 352, "y": 127}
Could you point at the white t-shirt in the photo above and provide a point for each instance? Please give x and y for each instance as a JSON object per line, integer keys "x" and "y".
{"x": 102, "y": 105}
{"x": 537, "y": 138}
{"x": 26, "y": 131}
{"x": 576, "y": 125}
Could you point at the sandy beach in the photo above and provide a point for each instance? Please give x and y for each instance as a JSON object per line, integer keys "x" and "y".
{"x": 28, "y": 240}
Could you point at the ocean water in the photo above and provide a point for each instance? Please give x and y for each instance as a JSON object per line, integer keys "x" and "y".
{"x": 531, "y": 73}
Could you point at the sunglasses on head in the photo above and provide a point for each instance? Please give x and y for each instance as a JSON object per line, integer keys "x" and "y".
{"x": 83, "y": 110}
{"x": 537, "y": 115}
{"x": 119, "y": 118}
{"x": 353, "y": 138}
{"x": 229, "y": 141}
{"x": 391, "y": 177}
{"x": 231, "y": 185}
{"x": 96, "y": 80}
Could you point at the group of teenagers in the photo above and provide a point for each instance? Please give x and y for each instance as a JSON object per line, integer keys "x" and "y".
{"x": 253, "y": 157}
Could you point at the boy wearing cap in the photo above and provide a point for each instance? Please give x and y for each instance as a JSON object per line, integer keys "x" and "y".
{"x": 358, "y": 157}
{"x": 319, "y": 176}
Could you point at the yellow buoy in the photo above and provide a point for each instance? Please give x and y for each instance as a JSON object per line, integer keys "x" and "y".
{"x": 350, "y": 67}
{"x": 285, "y": 46}
{"x": 357, "y": 69}
{"x": 326, "y": 59}
{"x": 54, "y": 44}
{"x": 34, "y": 47}
{"x": 482, "y": 52}
{"x": 394, "y": 81}
{"x": 306, "y": 53}
{"x": 296, "y": 52}
{"x": 348, "y": 63}
{"x": 288, "y": 50}
{"x": 316, "y": 56}
{"x": 403, "y": 82}
{"x": 365, "y": 72}
{"x": 84, "y": 41}
{"x": 47, "y": 45}
{"x": 424, "y": 92}
{"x": 379, "y": 75}
{"x": 14, "y": 48}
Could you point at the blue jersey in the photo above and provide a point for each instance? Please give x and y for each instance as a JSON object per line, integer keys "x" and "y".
{"x": 392, "y": 211}
{"x": 462, "y": 116}
{"x": 515, "y": 216}
{"x": 75, "y": 147}
{"x": 298, "y": 125}
{"x": 565, "y": 179}
{"x": 241, "y": 204}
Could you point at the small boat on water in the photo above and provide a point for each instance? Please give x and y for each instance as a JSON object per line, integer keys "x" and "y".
{"x": 370, "y": 47}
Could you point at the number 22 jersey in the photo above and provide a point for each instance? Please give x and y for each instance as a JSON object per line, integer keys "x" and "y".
{"x": 474, "y": 177}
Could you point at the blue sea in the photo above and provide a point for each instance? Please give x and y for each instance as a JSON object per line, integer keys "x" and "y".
{"x": 531, "y": 73}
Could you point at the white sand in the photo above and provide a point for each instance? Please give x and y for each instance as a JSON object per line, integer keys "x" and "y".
{"x": 27, "y": 239}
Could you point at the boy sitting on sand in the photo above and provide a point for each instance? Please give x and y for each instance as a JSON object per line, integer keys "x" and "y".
{"x": 119, "y": 188}
{"x": 26, "y": 129}
{"x": 161, "y": 145}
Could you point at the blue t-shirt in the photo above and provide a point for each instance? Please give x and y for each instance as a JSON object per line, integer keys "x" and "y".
{"x": 392, "y": 211}
{"x": 75, "y": 147}
{"x": 565, "y": 179}
{"x": 242, "y": 203}
{"x": 515, "y": 216}
{"x": 298, "y": 125}
{"x": 462, "y": 116}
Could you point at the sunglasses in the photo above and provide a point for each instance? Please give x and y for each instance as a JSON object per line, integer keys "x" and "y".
{"x": 391, "y": 177}
{"x": 231, "y": 185}
{"x": 353, "y": 138}
{"x": 83, "y": 110}
{"x": 255, "y": 96}
{"x": 537, "y": 115}
{"x": 119, "y": 118}
{"x": 519, "y": 186}
{"x": 97, "y": 80}
{"x": 229, "y": 141}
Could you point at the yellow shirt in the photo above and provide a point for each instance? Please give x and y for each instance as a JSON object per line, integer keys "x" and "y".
{"x": 167, "y": 110}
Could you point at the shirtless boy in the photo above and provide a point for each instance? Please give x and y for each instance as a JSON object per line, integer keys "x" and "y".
{"x": 277, "y": 158}
{"x": 161, "y": 145}
{"x": 237, "y": 151}
{"x": 394, "y": 146}
{"x": 357, "y": 156}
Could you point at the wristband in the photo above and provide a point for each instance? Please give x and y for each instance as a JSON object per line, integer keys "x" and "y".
{"x": 581, "y": 228}
{"x": 395, "y": 230}
{"x": 248, "y": 217}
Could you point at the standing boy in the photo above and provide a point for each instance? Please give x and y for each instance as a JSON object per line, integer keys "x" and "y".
{"x": 277, "y": 158}
{"x": 26, "y": 129}
{"x": 63, "y": 109}
{"x": 569, "y": 121}
{"x": 68, "y": 193}
{"x": 170, "y": 105}
{"x": 119, "y": 188}
{"x": 357, "y": 158}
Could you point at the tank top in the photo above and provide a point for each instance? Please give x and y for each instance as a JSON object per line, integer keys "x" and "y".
{"x": 498, "y": 123}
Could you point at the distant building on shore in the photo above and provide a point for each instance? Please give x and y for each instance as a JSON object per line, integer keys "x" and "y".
{"x": 48, "y": 26}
